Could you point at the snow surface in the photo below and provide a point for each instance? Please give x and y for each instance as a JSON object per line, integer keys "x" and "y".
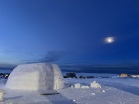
{"x": 114, "y": 91}
{"x": 36, "y": 76}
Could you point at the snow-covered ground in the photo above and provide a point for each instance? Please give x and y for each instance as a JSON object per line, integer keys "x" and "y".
{"x": 114, "y": 91}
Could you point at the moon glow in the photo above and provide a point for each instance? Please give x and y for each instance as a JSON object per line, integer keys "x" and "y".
{"x": 109, "y": 40}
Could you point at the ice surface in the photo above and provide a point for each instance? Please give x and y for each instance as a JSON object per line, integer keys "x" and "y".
{"x": 36, "y": 76}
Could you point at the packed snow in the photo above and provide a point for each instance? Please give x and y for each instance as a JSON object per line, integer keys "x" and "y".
{"x": 114, "y": 90}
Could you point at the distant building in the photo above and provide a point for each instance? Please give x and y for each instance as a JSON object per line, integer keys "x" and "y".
{"x": 129, "y": 75}
{"x": 1, "y": 75}
{"x": 135, "y": 76}
{"x": 71, "y": 75}
{"x": 123, "y": 75}
{"x": 4, "y": 75}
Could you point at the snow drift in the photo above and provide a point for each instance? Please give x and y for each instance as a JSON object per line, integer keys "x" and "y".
{"x": 36, "y": 76}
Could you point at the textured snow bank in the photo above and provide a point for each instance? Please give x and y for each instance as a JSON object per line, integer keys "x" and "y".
{"x": 36, "y": 76}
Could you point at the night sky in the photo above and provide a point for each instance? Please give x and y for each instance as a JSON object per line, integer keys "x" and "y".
{"x": 69, "y": 31}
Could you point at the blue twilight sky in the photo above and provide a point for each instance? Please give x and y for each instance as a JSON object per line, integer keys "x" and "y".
{"x": 69, "y": 31}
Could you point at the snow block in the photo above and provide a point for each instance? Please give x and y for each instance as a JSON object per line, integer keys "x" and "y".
{"x": 95, "y": 85}
{"x": 93, "y": 93}
{"x": 77, "y": 85}
{"x": 36, "y": 76}
{"x": 1, "y": 95}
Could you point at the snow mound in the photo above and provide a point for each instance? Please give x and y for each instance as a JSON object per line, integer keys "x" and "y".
{"x": 95, "y": 85}
{"x": 36, "y": 76}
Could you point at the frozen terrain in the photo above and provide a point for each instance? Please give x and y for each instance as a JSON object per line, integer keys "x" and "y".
{"x": 114, "y": 91}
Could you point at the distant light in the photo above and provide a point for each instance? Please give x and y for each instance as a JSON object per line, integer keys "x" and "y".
{"x": 109, "y": 39}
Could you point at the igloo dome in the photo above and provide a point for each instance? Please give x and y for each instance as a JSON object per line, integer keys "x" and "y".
{"x": 36, "y": 76}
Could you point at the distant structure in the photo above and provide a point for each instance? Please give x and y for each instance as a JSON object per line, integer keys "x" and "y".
{"x": 134, "y": 76}
{"x": 1, "y": 75}
{"x": 129, "y": 75}
{"x": 123, "y": 75}
{"x": 71, "y": 75}
{"x": 36, "y": 76}
{"x": 4, "y": 75}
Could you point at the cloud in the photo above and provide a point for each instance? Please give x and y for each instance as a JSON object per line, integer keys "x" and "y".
{"x": 8, "y": 51}
{"x": 116, "y": 69}
{"x": 7, "y": 65}
{"x": 53, "y": 56}
{"x": 50, "y": 56}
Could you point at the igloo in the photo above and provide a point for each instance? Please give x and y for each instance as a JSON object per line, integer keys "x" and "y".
{"x": 36, "y": 76}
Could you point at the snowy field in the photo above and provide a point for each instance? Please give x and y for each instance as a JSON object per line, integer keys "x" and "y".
{"x": 114, "y": 91}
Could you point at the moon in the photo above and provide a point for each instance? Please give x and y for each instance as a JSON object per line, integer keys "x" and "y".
{"x": 109, "y": 40}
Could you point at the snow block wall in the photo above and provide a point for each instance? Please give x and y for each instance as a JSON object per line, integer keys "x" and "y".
{"x": 36, "y": 76}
